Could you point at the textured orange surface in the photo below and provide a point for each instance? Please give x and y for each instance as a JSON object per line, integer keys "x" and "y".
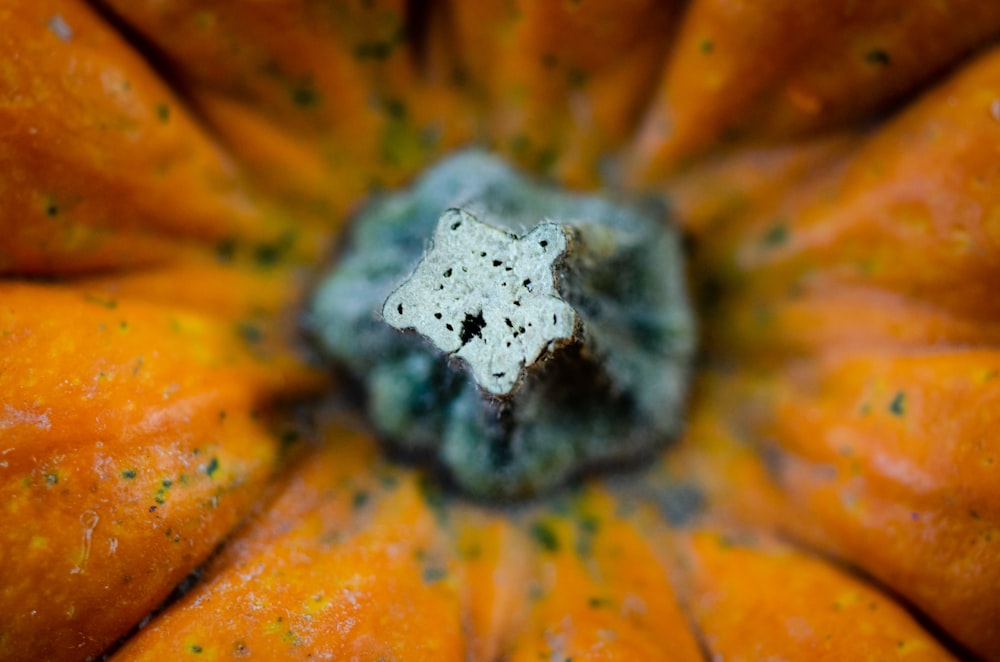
{"x": 819, "y": 613}
{"x": 775, "y": 69}
{"x": 347, "y": 563}
{"x": 171, "y": 171}
{"x": 894, "y": 457}
{"x": 131, "y": 444}
{"x": 103, "y": 165}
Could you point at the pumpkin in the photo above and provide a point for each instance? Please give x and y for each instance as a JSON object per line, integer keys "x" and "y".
{"x": 180, "y": 478}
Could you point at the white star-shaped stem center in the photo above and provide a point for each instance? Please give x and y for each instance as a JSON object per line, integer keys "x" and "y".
{"x": 488, "y": 297}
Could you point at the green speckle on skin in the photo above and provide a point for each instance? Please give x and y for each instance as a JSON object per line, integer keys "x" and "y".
{"x": 706, "y": 46}
{"x": 388, "y": 481}
{"x": 434, "y": 497}
{"x": 577, "y": 77}
{"x": 204, "y": 20}
{"x": 272, "y": 253}
{"x": 434, "y": 574}
{"x": 212, "y": 467}
{"x": 589, "y": 524}
{"x": 763, "y": 315}
{"x": 519, "y": 145}
{"x": 878, "y": 57}
{"x": 225, "y": 250}
{"x": 51, "y": 478}
{"x": 289, "y": 438}
{"x": 546, "y": 159}
{"x": 776, "y": 235}
{"x": 101, "y": 301}
{"x": 195, "y": 648}
{"x": 129, "y": 474}
{"x": 163, "y": 112}
{"x": 375, "y": 50}
{"x": 586, "y": 530}
{"x": 898, "y": 405}
{"x": 402, "y": 143}
{"x": 724, "y": 541}
{"x": 305, "y": 95}
{"x": 544, "y": 536}
{"x": 470, "y": 552}
{"x": 395, "y": 109}
{"x": 249, "y": 332}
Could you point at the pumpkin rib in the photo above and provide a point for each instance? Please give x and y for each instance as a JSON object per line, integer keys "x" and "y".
{"x": 108, "y": 197}
{"x": 130, "y": 449}
{"x": 254, "y": 294}
{"x": 743, "y": 619}
{"x": 906, "y": 494}
{"x": 834, "y": 318}
{"x": 494, "y": 565}
{"x": 926, "y": 180}
{"x": 561, "y": 83}
{"x": 599, "y": 590}
{"x": 831, "y": 457}
{"x": 773, "y": 70}
{"x": 339, "y": 82}
{"x": 336, "y": 574}
{"x": 744, "y": 181}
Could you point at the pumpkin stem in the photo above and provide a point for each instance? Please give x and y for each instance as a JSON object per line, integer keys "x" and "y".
{"x": 554, "y": 333}
{"x": 487, "y": 297}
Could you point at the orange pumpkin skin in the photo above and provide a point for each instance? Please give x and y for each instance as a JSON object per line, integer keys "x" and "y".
{"x": 389, "y": 543}
{"x": 926, "y": 180}
{"x": 890, "y": 454}
{"x": 321, "y": 102}
{"x": 821, "y": 612}
{"x": 131, "y": 446}
{"x": 845, "y": 406}
{"x": 281, "y": 603}
{"x": 779, "y": 69}
{"x": 561, "y": 84}
{"x": 880, "y": 422}
{"x": 97, "y": 152}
